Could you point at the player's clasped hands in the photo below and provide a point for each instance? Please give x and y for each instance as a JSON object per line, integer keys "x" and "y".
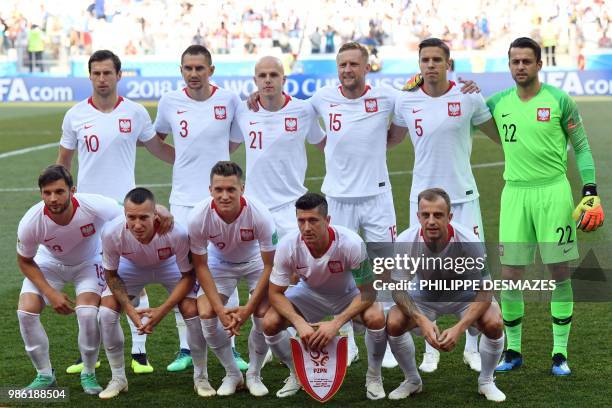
{"x": 325, "y": 331}
{"x": 239, "y": 316}
{"x": 448, "y": 339}
{"x": 150, "y": 317}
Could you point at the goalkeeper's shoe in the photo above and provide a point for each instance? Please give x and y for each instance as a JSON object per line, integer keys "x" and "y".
{"x": 559, "y": 365}
{"x": 77, "y": 367}
{"x": 242, "y": 365}
{"x": 181, "y": 362}
{"x": 43, "y": 382}
{"x": 511, "y": 360}
{"x": 413, "y": 83}
{"x": 589, "y": 213}
{"x": 140, "y": 364}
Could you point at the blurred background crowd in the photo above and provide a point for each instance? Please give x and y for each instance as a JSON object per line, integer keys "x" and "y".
{"x": 42, "y": 32}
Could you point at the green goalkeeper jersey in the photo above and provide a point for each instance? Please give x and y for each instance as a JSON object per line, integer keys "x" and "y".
{"x": 534, "y": 135}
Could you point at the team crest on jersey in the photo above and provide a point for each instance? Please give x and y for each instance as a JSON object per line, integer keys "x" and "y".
{"x": 220, "y": 113}
{"x": 164, "y": 253}
{"x": 220, "y": 245}
{"x": 88, "y": 230}
{"x": 335, "y": 267}
{"x": 454, "y": 109}
{"x": 246, "y": 234}
{"x": 543, "y": 114}
{"x": 291, "y": 124}
{"x": 371, "y": 105}
{"x": 125, "y": 125}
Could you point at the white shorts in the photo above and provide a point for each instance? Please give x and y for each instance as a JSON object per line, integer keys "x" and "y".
{"x": 226, "y": 275}
{"x": 136, "y": 278}
{"x": 467, "y": 214}
{"x": 375, "y": 215}
{"x": 87, "y": 276}
{"x": 432, "y": 310}
{"x": 181, "y": 213}
{"x": 314, "y": 306}
{"x": 284, "y": 219}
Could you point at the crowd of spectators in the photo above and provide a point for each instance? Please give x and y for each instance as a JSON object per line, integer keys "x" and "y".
{"x": 164, "y": 27}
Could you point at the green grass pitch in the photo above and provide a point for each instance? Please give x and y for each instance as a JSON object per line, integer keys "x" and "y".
{"x": 23, "y": 126}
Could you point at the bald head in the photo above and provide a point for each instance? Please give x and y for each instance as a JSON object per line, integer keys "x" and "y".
{"x": 269, "y": 62}
{"x": 270, "y": 79}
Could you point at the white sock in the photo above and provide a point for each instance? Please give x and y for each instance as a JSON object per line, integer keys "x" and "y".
{"x": 112, "y": 337}
{"x": 347, "y": 330}
{"x": 403, "y": 350}
{"x": 35, "y": 340}
{"x": 376, "y": 344}
{"x": 233, "y": 301}
{"x": 258, "y": 348}
{"x": 139, "y": 341}
{"x": 429, "y": 348}
{"x": 281, "y": 347}
{"x": 182, "y": 330}
{"x": 89, "y": 336}
{"x": 218, "y": 340}
{"x": 197, "y": 345}
{"x": 471, "y": 342}
{"x": 490, "y": 353}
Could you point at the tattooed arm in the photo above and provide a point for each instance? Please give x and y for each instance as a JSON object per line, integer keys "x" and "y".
{"x": 406, "y": 305}
{"x": 117, "y": 287}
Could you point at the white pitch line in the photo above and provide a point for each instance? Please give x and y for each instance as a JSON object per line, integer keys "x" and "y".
{"x": 315, "y": 178}
{"x": 27, "y": 150}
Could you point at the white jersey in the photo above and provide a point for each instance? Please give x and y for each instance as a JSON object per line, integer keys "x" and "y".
{"x": 356, "y": 147}
{"x": 118, "y": 242}
{"x": 440, "y": 129}
{"x": 106, "y": 144}
{"x": 71, "y": 244}
{"x": 200, "y": 132}
{"x": 329, "y": 274}
{"x": 241, "y": 241}
{"x": 464, "y": 248}
{"x": 275, "y": 150}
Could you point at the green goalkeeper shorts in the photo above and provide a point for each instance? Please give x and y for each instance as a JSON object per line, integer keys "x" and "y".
{"x": 537, "y": 215}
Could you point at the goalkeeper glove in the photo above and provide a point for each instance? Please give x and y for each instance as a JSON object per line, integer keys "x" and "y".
{"x": 413, "y": 83}
{"x": 589, "y": 214}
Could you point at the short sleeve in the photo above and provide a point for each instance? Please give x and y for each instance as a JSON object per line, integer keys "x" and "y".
{"x": 147, "y": 133}
{"x": 111, "y": 253}
{"x": 197, "y": 239}
{"x": 105, "y": 208}
{"x": 315, "y": 132}
{"x": 69, "y": 136}
{"x": 181, "y": 249}
{"x": 26, "y": 241}
{"x": 398, "y": 118}
{"x": 481, "y": 110}
{"x": 161, "y": 122}
{"x": 235, "y": 131}
{"x": 314, "y": 102}
{"x": 281, "y": 272}
{"x": 266, "y": 231}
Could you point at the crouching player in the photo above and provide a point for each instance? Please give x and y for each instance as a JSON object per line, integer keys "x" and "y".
{"x": 67, "y": 227}
{"x": 437, "y": 238}
{"x": 232, "y": 237}
{"x": 335, "y": 280}
{"x": 134, "y": 255}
